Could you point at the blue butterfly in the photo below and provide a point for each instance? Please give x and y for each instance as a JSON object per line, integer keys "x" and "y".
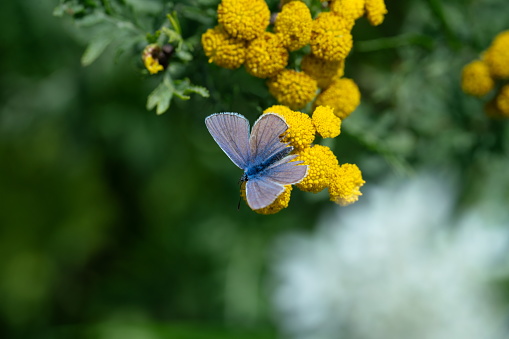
{"x": 264, "y": 158}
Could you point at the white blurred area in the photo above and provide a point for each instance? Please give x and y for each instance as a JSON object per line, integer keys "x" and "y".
{"x": 399, "y": 264}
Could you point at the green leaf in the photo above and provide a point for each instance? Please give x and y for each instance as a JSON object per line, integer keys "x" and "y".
{"x": 184, "y": 87}
{"x": 95, "y": 49}
{"x": 161, "y": 96}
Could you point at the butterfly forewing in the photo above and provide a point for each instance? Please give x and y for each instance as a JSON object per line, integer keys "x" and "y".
{"x": 265, "y": 137}
{"x": 231, "y": 132}
{"x": 286, "y": 172}
{"x": 261, "y": 192}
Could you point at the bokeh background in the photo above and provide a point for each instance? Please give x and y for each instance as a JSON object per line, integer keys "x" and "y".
{"x": 119, "y": 223}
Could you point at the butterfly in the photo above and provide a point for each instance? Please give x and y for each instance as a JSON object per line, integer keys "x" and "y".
{"x": 264, "y": 158}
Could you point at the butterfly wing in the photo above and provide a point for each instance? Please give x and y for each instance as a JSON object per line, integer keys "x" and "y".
{"x": 231, "y": 132}
{"x": 262, "y": 190}
{"x": 265, "y": 137}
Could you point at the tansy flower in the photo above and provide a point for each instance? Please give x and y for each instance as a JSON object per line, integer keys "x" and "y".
{"x": 497, "y": 56}
{"x": 322, "y": 71}
{"x": 321, "y": 165}
{"x": 293, "y": 89}
{"x": 330, "y": 38}
{"x": 326, "y": 123}
{"x": 294, "y": 24}
{"x": 266, "y": 56}
{"x": 243, "y": 19}
{"x": 349, "y": 9}
{"x": 150, "y": 58}
{"x": 222, "y": 49}
{"x": 301, "y": 132}
{"x": 345, "y": 185}
{"x": 375, "y": 11}
{"x": 342, "y": 95}
{"x": 476, "y": 79}
{"x": 502, "y": 100}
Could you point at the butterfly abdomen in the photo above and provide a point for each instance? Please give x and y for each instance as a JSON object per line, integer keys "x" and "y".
{"x": 258, "y": 169}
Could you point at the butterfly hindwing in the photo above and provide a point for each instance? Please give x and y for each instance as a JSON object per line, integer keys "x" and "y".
{"x": 261, "y": 192}
{"x": 286, "y": 171}
{"x": 231, "y": 132}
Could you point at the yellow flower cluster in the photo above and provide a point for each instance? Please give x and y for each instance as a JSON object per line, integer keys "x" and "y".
{"x": 480, "y": 77}
{"x": 324, "y": 171}
{"x": 241, "y": 38}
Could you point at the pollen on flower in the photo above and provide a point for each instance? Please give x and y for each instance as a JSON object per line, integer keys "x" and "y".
{"x": 497, "y": 56}
{"x": 301, "y": 132}
{"x": 331, "y": 39}
{"x": 326, "y": 123}
{"x": 321, "y": 163}
{"x": 345, "y": 184}
{"x": 243, "y": 19}
{"x": 322, "y": 71}
{"x": 294, "y": 24}
{"x": 502, "y": 101}
{"x": 349, "y": 9}
{"x": 375, "y": 11}
{"x": 222, "y": 49}
{"x": 476, "y": 79}
{"x": 293, "y": 89}
{"x": 342, "y": 95}
{"x": 266, "y": 56}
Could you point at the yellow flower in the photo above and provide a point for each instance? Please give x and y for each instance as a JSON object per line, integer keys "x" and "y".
{"x": 497, "y": 56}
{"x": 342, "y": 95}
{"x": 326, "y": 123}
{"x": 293, "y": 89}
{"x": 152, "y": 64}
{"x": 321, "y": 165}
{"x": 243, "y": 19}
{"x": 150, "y": 57}
{"x": 294, "y": 24}
{"x": 300, "y": 133}
{"x": 330, "y": 38}
{"x": 266, "y": 56}
{"x": 346, "y": 183}
{"x": 349, "y": 9}
{"x": 222, "y": 49}
{"x": 322, "y": 71}
{"x": 375, "y": 11}
{"x": 281, "y": 202}
{"x": 502, "y": 100}
{"x": 476, "y": 79}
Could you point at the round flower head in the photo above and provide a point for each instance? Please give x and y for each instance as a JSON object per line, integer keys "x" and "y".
{"x": 294, "y": 24}
{"x": 321, "y": 165}
{"x": 375, "y": 11}
{"x": 222, "y": 49}
{"x": 330, "y": 38}
{"x": 243, "y": 19}
{"x": 300, "y": 133}
{"x": 497, "y": 56}
{"x": 502, "y": 100}
{"x": 345, "y": 185}
{"x": 326, "y": 123}
{"x": 349, "y": 9}
{"x": 322, "y": 71}
{"x": 266, "y": 56}
{"x": 476, "y": 79}
{"x": 342, "y": 95}
{"x": 293, "y": 89}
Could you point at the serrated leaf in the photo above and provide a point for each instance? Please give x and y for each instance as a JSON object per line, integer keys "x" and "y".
{"x": 184, "y": 87}
{"x": 161, "y": 96}
{"x": 95, "y": 49}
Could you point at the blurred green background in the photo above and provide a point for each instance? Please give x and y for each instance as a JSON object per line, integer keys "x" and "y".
{"x": 118, "y": 223}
